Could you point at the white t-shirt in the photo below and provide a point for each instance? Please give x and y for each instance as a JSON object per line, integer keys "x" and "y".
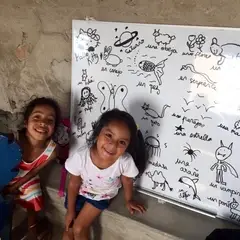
{"x": 99, "y": 184}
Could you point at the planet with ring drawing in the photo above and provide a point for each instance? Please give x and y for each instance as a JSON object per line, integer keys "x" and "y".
{"x": 125, "y": 39}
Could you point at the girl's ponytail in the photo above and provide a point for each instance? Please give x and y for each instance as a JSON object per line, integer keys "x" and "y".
{"x": 139, "y": 153}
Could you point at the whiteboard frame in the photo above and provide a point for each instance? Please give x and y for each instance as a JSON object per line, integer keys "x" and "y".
{"x": 160, "y": 196}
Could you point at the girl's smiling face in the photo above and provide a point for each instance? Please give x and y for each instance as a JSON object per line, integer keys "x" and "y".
{"x": 41, "y": 122}
{"x": 113, "y": 141}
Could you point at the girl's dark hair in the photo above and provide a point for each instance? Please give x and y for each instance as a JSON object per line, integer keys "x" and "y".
{"x": 136, "y": 146}
{"x": 43, "y": 101}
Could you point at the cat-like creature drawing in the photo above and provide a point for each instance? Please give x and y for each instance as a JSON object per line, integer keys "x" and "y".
{"x": 235, "y": 212}
{"x": 87, "y": 42}
{"x": 152, "y": 113}
{"x": 158, "y": 179}
{"x": 222, "y": 154}
{"x": 224, "y": 50}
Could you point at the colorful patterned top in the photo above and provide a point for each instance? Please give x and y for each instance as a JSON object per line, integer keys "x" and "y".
{"x": 31, "y": 193}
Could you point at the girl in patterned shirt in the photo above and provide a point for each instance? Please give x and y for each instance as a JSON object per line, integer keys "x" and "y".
{"x": 41, "y": 119}
{"x": 114, "y": 156}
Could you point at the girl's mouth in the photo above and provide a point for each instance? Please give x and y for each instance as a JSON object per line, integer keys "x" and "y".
{"x": 40, "y": 130}
{"x": 109, "y": 153}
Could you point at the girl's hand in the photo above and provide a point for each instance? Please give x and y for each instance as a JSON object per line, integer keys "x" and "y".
{"x": 10, "y": 189}
{"x": 134, "y": 206}
{"x": 69, "y": 219}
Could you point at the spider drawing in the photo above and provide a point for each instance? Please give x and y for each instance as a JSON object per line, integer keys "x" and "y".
{"x": 192, "y": 153}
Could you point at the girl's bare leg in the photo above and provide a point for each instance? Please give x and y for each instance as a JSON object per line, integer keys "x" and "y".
{"x": 81, "y": 226}
{"x": 32, "y": 222}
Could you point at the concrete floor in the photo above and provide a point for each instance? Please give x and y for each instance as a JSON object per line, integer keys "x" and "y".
{"x": 165, "y": 217}
{"x": 20, "y": 215}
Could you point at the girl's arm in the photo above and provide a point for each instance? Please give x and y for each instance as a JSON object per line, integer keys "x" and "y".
{"x": 128, "y": 194}
{"x": 32, "y": 173}
{"x": 73, "y": 189}
{"x": 128, "y": 188}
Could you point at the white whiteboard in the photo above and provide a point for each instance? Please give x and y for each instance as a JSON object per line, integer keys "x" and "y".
{"x": 181, "y": 84}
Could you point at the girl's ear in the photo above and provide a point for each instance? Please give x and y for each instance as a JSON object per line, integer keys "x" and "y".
{"x": 25, "y": 123}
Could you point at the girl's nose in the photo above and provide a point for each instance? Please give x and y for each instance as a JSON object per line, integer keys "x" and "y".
{"x": 112, "y": 146}
{"x": 43, "y": 123}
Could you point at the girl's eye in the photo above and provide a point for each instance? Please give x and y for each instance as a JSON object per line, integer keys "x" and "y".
{"x": 50, "y": 121}
{"x": 36, "y": 117}
{"x": 123, "y": 143}
{"x": 108, "y": 135}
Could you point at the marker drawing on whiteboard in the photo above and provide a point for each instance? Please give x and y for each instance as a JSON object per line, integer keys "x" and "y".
{"x": 237, "y": 125}
{"x": 203, "y": 137}
{"x": 90, "y": 132}
{"x": 185, "y": 110}
{"x": 125, "y": 39}
{"x": 153, "y": 146}
{"x": 198, "y": 107}
{"x": 152, "y": 113}
{"x": 80, "y": 127}
{"x": 162, "y": 38}
{"x": 195, "y": 42}
{"x": 189, "y": 151}
{"x": 179, "y": 131}
{"x": 183, "y": 194}
{"x": 128, "y": 40}
{"x": 222, "y": 153}
{"x": 111, "y": 59}
{"x": 207, "y": 108}
{"x": 87, "y": 98}
{"x": 234, "y": 210}
{"x": 85, "y": 79}
{"x": 84, "y": 75}
{"x": 193, "y": 70}
{"x": 201, "y": 96}
{"x": 158, "y": 180}
{"x": 191, "y": 183}
{"x": 181, "y": 78}
{"x": 187, "y": 102}
{"x": 203, "y": 117}
{"x": 135, "y": 58}
{"x": 158, "y": 164}
{"x": 179, "y": 128}
{"x": 146, "y": 67}
{"x": 224, "y": 50}
{"x": 148, "y": 76}
{"x": 112, "y": 98}
{"x": 87, "y": 41}
{"x": 157, "y": 69}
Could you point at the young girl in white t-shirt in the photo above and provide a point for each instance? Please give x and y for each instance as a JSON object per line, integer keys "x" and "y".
{"x": 114, "y": 155}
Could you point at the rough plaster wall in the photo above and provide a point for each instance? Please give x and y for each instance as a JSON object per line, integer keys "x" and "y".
{"x": 35, "y": 40}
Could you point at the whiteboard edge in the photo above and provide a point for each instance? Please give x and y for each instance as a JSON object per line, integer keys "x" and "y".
{"x": 165, "y": 199}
